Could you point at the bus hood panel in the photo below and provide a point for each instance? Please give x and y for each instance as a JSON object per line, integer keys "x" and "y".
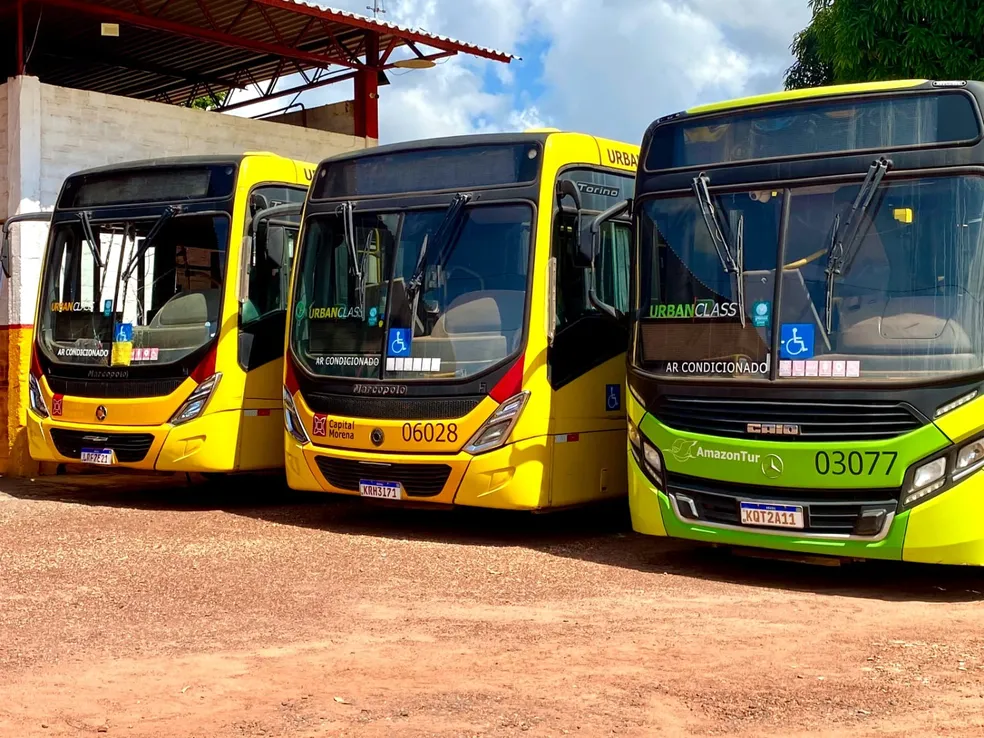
{"x": 140, "y": 411}
{"x": 849, "y": 465}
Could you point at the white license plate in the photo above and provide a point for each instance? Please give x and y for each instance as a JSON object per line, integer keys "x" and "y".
{"x": 380, "y": 490}
{"x": 767, "y": 514}
{"x": 102, "y": 456}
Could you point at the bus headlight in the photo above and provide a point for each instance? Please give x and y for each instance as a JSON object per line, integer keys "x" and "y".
{"x": 969, "y": 459}
{"x": 197, "y": 401}
{"x": 647, "y": 456}
{"x": 495, "y": 431}
{"x": 926, "y": 479}
{"x": 292, "y": 421}
{"x": 36, "y": 398}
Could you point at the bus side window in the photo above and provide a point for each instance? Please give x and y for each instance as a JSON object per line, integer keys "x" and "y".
{"x": 611, "y": 272}
{"x": 269, "y": 263}
{"x": 263, "y": 314}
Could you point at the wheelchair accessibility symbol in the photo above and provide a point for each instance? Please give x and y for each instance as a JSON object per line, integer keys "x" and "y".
{"x": 796, "y": 341}
{"x": 124, "y": 333}
{"x": 613, "y": 397}
{"x": 399, "y": 342}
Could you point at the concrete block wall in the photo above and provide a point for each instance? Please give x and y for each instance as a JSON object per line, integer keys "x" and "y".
{"x": 48, "y": 133}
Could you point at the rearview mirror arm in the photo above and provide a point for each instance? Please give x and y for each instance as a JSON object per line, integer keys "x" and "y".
{"x": 39, "y": 217}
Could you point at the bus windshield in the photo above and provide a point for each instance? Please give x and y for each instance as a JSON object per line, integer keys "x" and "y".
{"x": 143, "y": 291}
{"x": 902, "y": 298}
{"x": 424, "y": 294}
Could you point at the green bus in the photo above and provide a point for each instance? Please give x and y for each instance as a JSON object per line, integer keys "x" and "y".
{"x": 807, "y": 323}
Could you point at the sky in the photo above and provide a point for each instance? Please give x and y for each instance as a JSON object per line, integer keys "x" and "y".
{"x": 605, "y": 67}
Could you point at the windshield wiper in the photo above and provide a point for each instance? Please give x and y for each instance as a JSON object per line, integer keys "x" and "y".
{"x": 841, "y": 250}
{"x": 443, "y": 241}
{"x": 346, "y": 212}
{"x": 169, "y": 212}
{"x": 90, "y": 238}
{"x": 731, "y": 260}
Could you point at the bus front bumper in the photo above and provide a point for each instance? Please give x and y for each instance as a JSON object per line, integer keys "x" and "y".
{"x": 508, "y": 478}
{"x": 205, "y": 444}
{"x": 947, "y": 529}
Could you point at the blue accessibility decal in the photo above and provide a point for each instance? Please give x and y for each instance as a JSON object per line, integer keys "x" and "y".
{"x": 123, "y": 333}
{"x": 796, "y": 341}
{"x": 613, "y": 397}
{"x": 399, "y": 342}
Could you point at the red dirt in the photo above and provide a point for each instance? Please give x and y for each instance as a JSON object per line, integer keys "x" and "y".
{"x": 145, "y": 607}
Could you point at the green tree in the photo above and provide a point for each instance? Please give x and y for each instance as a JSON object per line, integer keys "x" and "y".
{"x": 871, "y": 40}
{"x": 207, "y": 102}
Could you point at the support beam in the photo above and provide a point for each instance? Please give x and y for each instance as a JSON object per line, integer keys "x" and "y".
{"x": 367, "y": 92}
{"x": 289, "y": 91}
{"x": 20, "y": 38}
{"x": 201, "y": 34}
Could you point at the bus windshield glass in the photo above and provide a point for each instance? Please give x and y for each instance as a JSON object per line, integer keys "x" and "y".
{"x": 900, "y": 297}
{"x": 142, "y": 292}
{"x": 424, "y": 294}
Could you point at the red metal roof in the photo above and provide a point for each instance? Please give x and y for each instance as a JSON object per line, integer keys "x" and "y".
{"x": 176, "y": 50}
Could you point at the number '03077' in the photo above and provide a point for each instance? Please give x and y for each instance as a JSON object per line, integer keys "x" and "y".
{"x": 855, "y": 463}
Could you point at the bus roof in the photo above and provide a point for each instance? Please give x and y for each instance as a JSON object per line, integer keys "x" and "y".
{"x": 809, "y": 93}
{"x": 472, "y": 139}
{"x": 172, "y": 161}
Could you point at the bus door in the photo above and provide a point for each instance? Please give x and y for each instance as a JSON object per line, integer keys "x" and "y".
{"x": 585, "y": 358}
{"x": 263, "y": 283}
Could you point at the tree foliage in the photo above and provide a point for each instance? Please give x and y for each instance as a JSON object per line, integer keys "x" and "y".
{"x": 871, "y": 40}
{"x": 207, "y": 102}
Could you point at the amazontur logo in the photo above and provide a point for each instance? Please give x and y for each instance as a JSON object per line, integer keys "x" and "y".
{"x": 684, "y": 450}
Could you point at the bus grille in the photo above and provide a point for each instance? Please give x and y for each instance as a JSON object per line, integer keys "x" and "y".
{"x": 392, "y": 408}
{"x": 818, "y": 420}
{"x": 129, "y": 447}
{"x": 122, "y": 389}
{"x": 832, "y": 511}
{"x": 419, "y": 480}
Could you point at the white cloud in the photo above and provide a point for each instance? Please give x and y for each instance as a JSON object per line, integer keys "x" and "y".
{"x": 602, "y": 66}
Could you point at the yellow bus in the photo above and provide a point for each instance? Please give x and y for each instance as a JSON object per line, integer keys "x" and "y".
{"x": 159, "y": 328}
{"x": 444, "y": 344}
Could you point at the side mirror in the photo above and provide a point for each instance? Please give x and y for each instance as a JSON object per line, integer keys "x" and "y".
{"x": 5, "y": 253}
{"x": 589, "y": 239}
{"x": 567, "y": 188}
{"x": 40, "y": 217}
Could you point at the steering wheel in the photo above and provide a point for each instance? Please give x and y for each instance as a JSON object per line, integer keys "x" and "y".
{"x": 477, "y": 276}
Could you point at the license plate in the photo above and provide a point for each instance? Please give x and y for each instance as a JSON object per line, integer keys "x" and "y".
{"x": 381, "y": 490}
{"x": 766, "y": 514}
{"x": 102, "y": 456}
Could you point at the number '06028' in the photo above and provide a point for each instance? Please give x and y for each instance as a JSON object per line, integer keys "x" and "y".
{"x": 430, "y": 432}
{"x": 855, "y": 463}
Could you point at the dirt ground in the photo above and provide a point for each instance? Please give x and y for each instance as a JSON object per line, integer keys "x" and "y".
{"x": 142, "y": 607}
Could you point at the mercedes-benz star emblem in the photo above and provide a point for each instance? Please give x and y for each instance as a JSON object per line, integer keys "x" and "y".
{"x": 101, "y": 412}
{"x": 772, "y": 466}
{"x": 376, "y": 436}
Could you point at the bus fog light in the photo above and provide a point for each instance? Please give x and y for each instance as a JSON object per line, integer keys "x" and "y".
{"x": 292, "y": 421}
{"x": 38, "y": 404}
{"x": 197, "y": 401}
{"x": 929, "y": 473}
{"x": 495, "y": 431}
{"x": 969, "y": 459}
